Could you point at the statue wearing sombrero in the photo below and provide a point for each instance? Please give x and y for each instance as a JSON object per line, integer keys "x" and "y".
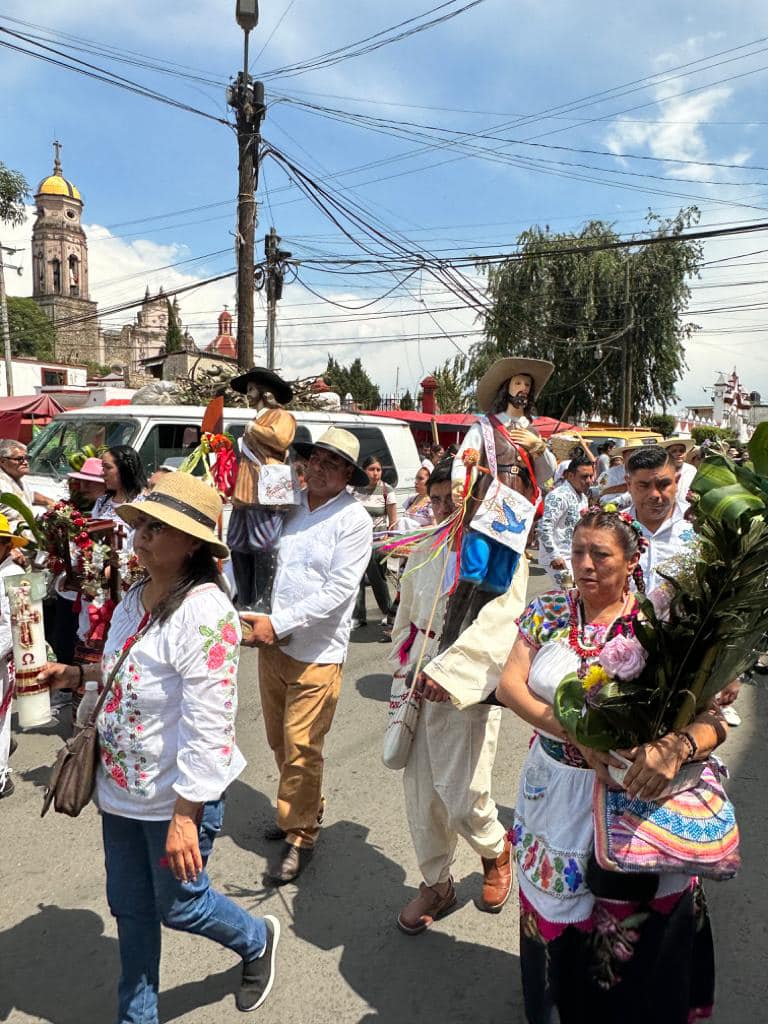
{"x": 503, "y": 449}
{"x": 258, "y": 513}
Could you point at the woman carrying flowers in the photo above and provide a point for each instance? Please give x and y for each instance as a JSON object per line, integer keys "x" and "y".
{"x": 597, "y": 945}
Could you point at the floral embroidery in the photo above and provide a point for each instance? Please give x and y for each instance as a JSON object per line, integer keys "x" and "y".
{"x": 613, "y": 942}
{"x": 544, "y": 618}
{"x": 554, "y": 873}
{"x": 216, "y": 657}
{"x": 221, "y": 647}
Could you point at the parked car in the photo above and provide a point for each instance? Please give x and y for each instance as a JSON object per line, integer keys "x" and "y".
{"x": 165, "y": 432}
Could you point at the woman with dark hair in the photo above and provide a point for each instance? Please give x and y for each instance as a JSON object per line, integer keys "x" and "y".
{"x": 380, "y": 502}
{"x": 124, "y": 479}
{"x": 167, "y": 747}
{"x": 597, "y": 945}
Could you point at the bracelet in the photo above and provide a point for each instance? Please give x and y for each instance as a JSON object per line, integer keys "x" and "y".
{"x": 692, "y": 745}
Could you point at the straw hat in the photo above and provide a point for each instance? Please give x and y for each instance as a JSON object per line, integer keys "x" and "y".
{"x": 539, "y": 370}
{"x": 266, "y": 379}
{"x": 91, "y": 470}
{"x": 669, "y": 442}
{"x": 341, "y": 443}
{"x": 5, "y": 534}
{"x": 184, "y": 502}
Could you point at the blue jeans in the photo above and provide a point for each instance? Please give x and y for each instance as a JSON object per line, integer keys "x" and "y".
{"x": 142, "y": 893}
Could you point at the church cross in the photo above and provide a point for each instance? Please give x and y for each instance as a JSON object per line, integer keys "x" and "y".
{"x": 57, "y": 157}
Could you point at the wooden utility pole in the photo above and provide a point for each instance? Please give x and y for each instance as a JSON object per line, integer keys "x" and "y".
{"x": 626, "y": 356}
{"x": 5, "y": 327}
{"x": 247, "y": 98}
{"x": 272, "y": 279}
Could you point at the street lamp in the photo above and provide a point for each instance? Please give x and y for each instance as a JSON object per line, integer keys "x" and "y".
{"x": 247, "y": 17}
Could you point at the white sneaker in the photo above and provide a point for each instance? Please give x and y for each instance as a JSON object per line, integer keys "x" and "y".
{"x": 731, "y": 715}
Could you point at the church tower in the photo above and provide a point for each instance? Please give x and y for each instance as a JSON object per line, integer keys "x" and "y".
{"x": 60, "y": 268}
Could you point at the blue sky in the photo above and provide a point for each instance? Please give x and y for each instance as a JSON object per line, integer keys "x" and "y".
{"x": 138, "y": 162}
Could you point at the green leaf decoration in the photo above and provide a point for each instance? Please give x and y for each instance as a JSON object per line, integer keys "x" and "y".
{"x": 730, "y": 503}
{"x": 14, "y": 501}
{"x": 758, "y": 450}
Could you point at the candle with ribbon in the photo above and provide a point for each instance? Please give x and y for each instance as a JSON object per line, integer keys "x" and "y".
{"x": 25, "y": 595}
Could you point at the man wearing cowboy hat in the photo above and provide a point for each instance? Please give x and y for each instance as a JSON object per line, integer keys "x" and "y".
{"x": 678, "y": 448}
{"x": 8, "y": 567}
{"x": 505, "y": 393}
{"x": 324, "y": 553}
{"x": 255, "y": 528}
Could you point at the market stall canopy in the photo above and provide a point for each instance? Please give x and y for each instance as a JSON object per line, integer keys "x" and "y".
{"x": 547, "y": 426}
{"x": 20, "y": 414}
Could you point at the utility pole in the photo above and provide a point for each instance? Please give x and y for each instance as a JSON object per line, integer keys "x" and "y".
{"x": 247, "y": 99}
{"x": 5, "y": 327}
{"x": 272, "y": 278}
{"x": 626, "y": 356}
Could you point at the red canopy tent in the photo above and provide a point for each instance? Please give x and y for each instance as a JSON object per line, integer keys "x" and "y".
{"x": 21, "y": 413}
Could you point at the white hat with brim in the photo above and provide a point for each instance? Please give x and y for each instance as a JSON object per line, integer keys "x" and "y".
{"x": 342, "y": 443}
{"x": 539, "y": 370}
{"x": 669, "y": 442}
{"x": 184, "y": 502}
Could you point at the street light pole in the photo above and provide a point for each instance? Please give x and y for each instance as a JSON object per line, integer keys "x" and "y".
{"x": 5, "y": 327}
{"x": 247, "y": 98}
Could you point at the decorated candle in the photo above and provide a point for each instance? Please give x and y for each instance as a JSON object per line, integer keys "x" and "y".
{"x": 25, "y": 595}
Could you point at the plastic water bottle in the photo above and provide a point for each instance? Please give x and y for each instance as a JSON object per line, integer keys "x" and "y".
{"x": 87, "y": 704}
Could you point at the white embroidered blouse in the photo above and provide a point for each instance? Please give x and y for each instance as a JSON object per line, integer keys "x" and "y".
{"x": 167, "y": 728}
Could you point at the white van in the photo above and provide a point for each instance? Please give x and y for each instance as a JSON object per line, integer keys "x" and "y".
{"x": 161, "y": 432}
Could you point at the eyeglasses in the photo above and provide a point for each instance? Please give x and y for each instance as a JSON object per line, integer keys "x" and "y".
{"x": 16, "y": 458}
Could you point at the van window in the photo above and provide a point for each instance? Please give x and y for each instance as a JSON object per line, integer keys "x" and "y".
{"x": 372, "y": 442}
{"x": 168, "y": 441}
{"x": 49, "y": 449}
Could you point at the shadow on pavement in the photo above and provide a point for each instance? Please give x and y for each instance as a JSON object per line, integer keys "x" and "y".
{"x": 349, "y": 897}
{"x": 58, "y": 966}
{"x": 375, "y": 686}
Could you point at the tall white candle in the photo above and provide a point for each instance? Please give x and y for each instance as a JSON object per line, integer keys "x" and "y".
{"x": 25, "y": 595}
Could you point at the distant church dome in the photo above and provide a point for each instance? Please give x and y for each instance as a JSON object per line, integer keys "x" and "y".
{"x": 56, "y": 184}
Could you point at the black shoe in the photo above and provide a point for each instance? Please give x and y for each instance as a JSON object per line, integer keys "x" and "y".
{"x": 259, "y": 974}
{"x": 293, "y": 862}
{"x": 8, "y": 789}
{"x": 273, "y": 833}
{"x": 14, "y": 746}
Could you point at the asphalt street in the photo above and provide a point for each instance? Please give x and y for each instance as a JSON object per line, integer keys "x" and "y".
{"x": 341, "y": 960}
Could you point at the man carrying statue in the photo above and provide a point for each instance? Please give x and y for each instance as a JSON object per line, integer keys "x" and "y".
{"x": 257, "y": 515}
{"x": 501, "y": 448}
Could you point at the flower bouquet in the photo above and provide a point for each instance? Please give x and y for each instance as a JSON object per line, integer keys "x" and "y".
{"x": 215, "y": 456}
{"x": 696, "y": 633}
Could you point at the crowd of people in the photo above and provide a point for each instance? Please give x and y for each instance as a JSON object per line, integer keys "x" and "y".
{"x": 462, "y": 631}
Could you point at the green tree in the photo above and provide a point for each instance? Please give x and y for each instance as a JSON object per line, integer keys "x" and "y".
{"x": 32, "y": 332}
{"x": 174, "y": 336}
{"x": 14, "y": 189}
{"x": 450, "y": 385}
{"x": 702, "y": 434}
{"x": 578, "y": 299}
{"x": 662, "y": 422}
{"x": 352, "y": 380}
{"x": 407, "y": 403}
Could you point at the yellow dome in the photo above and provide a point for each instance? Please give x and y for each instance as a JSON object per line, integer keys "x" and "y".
{"x": 55, "y": 185}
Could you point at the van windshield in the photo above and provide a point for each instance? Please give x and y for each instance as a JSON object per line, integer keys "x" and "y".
{"x": 49, "y": 449}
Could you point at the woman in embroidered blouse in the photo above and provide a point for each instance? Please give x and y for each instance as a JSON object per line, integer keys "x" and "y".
{"x": 418, "y": 507}
{"x": 380, "y": 502}
{"x": 594, "y": 945}
{"x": 124, "y": 479}
{"x": 167, "y": 747}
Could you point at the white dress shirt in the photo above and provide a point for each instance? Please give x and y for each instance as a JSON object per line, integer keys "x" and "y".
{"x": 670, "y": 539}
{"x": 562, "y": 511}
{"x": 18, "y": 487}
{"x": 543, "y": 465}
{"x": 323, "y": 555}
{"x": 687, "y": 473}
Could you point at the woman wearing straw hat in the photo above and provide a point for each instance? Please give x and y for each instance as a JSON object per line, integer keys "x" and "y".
{"x": 8, "y": 567}
{"x": 167, "y": 747}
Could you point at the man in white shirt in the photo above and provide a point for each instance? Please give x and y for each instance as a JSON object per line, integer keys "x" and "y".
{"x": 325, "y": 548}
{"x": 652, "y": 480}
{"x": 14, "y": 466}
{"x": 678, "y": 448}
{"x": 562, "y": 510}
{"x": 8, "y": 567}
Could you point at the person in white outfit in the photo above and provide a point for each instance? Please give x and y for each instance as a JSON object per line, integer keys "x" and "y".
{"x": 447, "y": 779}
{"x": 8, "y": 567}
{"x": 678, "y": 448}
{"x": 563, "y": 507}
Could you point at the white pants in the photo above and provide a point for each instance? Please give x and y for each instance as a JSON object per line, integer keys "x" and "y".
{"x": 447, "y": 785}
{"x": 5, "y": 722}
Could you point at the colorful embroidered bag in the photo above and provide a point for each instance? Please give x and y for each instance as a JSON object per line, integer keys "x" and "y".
{"x": 692, "y": 832}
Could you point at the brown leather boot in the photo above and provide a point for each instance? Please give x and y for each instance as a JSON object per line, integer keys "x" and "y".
{"x": 497, "y": 880}
{"x": 425, "y": 908}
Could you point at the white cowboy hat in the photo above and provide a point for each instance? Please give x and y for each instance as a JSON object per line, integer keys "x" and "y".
{"x": 341, "y": 443}
{"x": 184, "y": 502}
{"x": 669, "y": 442}
{"x": 539, "y": 370}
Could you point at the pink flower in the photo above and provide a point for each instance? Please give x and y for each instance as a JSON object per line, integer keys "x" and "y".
{"x": 623, "y": 657}
{"x": 216, "y": 657}
{"x": 228, "y": 633}
{"x": 119, "y": 776}
{"x": 114, "y": 700}
{"x": 661, "y": 598}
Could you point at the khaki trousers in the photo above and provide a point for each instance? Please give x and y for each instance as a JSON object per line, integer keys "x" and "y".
{"x": 298, "y": 701}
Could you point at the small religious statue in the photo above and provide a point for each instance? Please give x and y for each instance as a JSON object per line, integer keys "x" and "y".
{"x": 501, "y": 449}
{"x": 25, "y": 596}
{"x": 263, "y": 492}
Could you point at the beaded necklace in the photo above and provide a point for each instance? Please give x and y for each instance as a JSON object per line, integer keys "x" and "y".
{"x": 576, "y": 638}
